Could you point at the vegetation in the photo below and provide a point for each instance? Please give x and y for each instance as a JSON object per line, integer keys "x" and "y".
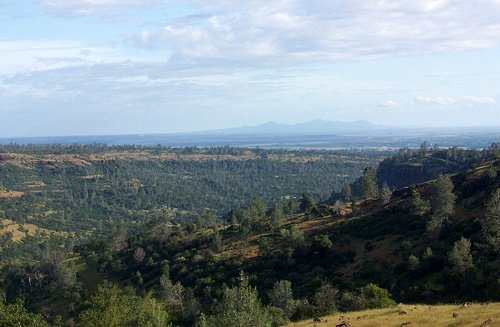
{"x": 259, "y": 261}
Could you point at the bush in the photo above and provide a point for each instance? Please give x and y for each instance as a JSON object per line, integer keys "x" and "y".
{"x": 376, "y": 297}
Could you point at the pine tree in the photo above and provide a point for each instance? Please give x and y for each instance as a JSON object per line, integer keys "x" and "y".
{"x": 346, "y": 192}
{"x": 419, "y": 206}
{"x": 281, "y": 296}
{"x": 369, "y": 188}
{"x": 289, "y": 206}
{"x": 307, "y": 203}
{"x": 239, "y": 307}
{"x": 276, "y": 216}
{"x": 443, "y": 203}
{"x": 491, "y": 222}
{"x": 386, "y": 194}
{"x": 460, "y": 257}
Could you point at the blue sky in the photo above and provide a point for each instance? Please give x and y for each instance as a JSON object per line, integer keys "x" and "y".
{"x": 83, "y": 67}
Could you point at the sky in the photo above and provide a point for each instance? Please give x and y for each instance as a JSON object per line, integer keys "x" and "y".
{"x": 96, "y": 67}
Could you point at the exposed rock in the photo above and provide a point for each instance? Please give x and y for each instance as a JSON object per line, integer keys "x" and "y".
{"x": 455, "y": 315}
{"x": 487, "y": 322}
{"x": 344, "y": 324}
{"x": 403, "y": 312}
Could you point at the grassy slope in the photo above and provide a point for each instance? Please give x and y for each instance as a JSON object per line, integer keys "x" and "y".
{"x": 7, "y": 225}
{"x": 474, "y": 315}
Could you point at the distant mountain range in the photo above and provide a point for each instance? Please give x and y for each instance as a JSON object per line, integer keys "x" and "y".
{"x": 314, "y": 127}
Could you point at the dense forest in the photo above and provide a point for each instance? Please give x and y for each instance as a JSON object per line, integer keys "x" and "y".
{"x": 332, "y": 240}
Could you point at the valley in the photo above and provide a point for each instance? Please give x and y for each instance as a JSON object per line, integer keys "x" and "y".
{"x": 325, "y": 227}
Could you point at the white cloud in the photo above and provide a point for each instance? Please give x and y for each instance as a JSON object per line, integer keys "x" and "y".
{"x": 389, "y": 103}
{"x": 443, "y": 101}
{"x": 481, "y": 100}
{"x": 294, "y": 31}
{"x": 33, "y": 55}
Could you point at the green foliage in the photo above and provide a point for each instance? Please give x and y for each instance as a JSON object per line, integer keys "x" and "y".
{"x": 325, "y": 299}
{"x": 236, "y": 217}
{"x": 77, "y": 197}
{"x": 110, "y": 308}
{"x": 491, "y": 222}
{"x": 292, "y": 237}
{"x": 419, "y": 206}
{"x": 385, "y": 194}
{"x": 460, "y": 257}
{"x": 376, "y": 297}
{"x": 15, "y": 315}
{"x": 258, "y": 209}
{"x": 443, "y": 203}
{"x": 369, "y": 188}
{"x": 307, "y": 203}
{"x": 281, "y": 296}
{"x": 413, "y": 263}
{"x": 172, "y": 295}
{"x": 275, "y": 214}
{"x": 266, "y": 247}
{"x": 346, "y": 192}
{"x": 289, "y": 206}
{"x": 239, "y": 307}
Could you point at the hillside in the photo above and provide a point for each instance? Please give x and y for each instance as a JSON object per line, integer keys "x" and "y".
{"x": 474, "y": 315}
{"x": 379, "y": 243}
{"x": 339, "y": 251}
{"x": 88, "y": 188}
{"x": 412, "y": 167}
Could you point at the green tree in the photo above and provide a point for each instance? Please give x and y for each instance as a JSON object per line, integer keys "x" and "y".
{"x": 413, "y": 263}
{"x": 259, "y": 207}
{"x": 346, "y": 192}
{"x": 376, "y": 297}
{"x": 443, "y": 203}
{"x": 239, "y": 307}
{"x": 275, "y": 216}
{"x": 419, "y": 206}
{"x": 491, "y": 222}
{"x": 236, "y": 217}
{"x": 172, "y": 295}
{"x": 110, "y": 308}
{"x": 307, "y": 203}
{"x": 207, "y": 219}
{"x": 424, "y": 148}
{"x": 386, "y": 194}
{"x": 460, "y": 257}
{"x": 369, "y": 188}
{"x": 15, "y": 315}
{"x": 217, "y": 240}
{"x": 266, "y": 247}
{"x": 281, "y": 296}
{"x": 289, "y": 206}
{"x": 325, "y": 299}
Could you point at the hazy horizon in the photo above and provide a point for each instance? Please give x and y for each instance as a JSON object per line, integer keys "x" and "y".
{"x": 110, "y": 67}
{"x": 272, "y": 128}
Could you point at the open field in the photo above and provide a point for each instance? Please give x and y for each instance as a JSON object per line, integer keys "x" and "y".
{"x": 474, "y": 315}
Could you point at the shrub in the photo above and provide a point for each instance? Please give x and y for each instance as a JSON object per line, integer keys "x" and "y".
{"x": 376, "y": 297}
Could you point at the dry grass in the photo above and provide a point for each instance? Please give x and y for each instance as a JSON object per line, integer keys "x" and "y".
{"x": 10, "y": 194}
{"x": 7, "y": 225}
{"x": 475, "y": 315}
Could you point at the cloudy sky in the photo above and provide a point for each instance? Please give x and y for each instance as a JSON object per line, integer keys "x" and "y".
{"x": 81, "y": 67}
